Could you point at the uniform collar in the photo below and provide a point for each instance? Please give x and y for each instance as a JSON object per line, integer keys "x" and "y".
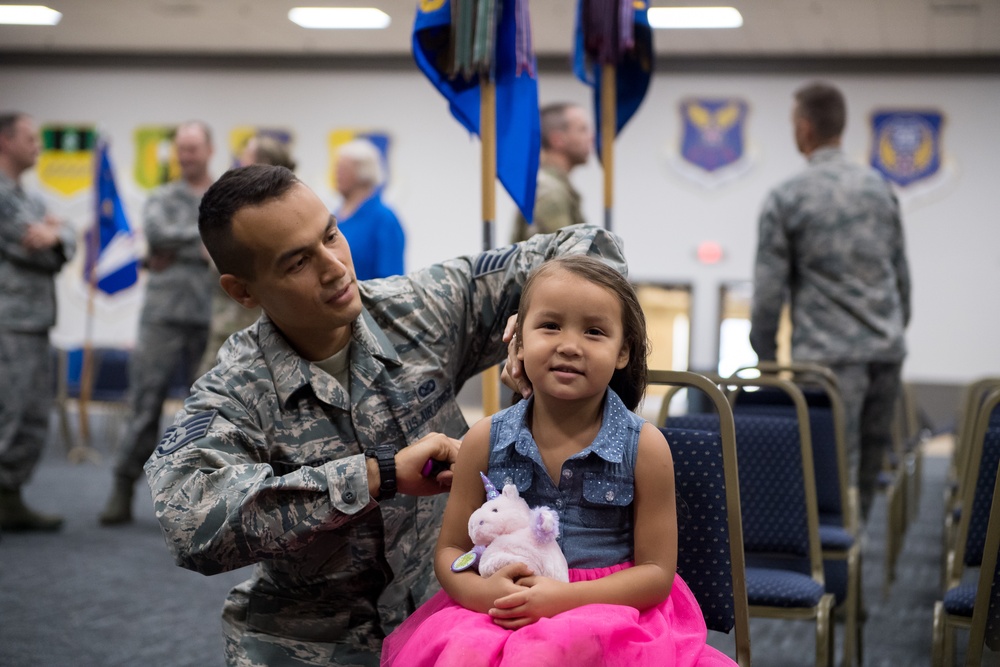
{"x": 825, "y": 154}
{"x": 291, "y": 372}
{"x": 608, "y": 444}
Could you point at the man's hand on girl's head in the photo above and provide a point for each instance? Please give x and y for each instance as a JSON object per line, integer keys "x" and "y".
{"x": 513, "y": 370}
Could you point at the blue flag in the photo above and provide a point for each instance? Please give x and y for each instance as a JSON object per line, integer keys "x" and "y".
{"x": 598, "y": 35}
{"x": 518, "y": 125}
{"x": 117, "y": 264}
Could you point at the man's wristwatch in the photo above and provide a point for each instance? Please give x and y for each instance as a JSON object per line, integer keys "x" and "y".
{"x": 386, "y": 457}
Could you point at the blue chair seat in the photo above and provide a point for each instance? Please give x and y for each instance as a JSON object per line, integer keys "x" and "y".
{"x": 835, "y": 538}
{"x": 960, "y": 600}
{"x": 782, "y": 588}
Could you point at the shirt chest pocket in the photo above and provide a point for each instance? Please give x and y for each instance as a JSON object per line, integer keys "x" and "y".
{"x": 607, "y": 500}
{"x": 518, "y": 473}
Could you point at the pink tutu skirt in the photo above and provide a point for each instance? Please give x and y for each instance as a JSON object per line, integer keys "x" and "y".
{"x": 442, "y": 633}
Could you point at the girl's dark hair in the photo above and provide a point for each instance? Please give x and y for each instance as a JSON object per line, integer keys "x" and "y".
{"x": 629, "y": 382}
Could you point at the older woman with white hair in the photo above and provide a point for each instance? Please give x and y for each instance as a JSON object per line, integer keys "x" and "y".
{"x": 371, "y": 228}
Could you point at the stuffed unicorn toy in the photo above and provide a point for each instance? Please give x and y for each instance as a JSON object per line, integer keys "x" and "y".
{"x": 505, "y": 531}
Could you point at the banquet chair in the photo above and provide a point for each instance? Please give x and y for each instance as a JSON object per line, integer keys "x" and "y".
{"x": 784, "y": 574}
{"x": 970, "y": 407}
{"x": 974, "y": 605}
{"x": 837, "y": 499}
{"x": 709, "y": 528}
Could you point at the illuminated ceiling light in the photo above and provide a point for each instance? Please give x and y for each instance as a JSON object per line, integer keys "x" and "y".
{"x": 28, "y": 15}
{"x": 339, "y": 18}
{"x": 695, "y": 17}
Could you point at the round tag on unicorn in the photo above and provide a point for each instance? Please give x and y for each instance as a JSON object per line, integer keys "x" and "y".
{"x": 468, "y": 561}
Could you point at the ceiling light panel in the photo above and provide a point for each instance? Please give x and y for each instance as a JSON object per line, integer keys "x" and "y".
{"x": 694, "y": 17}
{"x": 339, "y": 18}
{"x": 28, "y": 15}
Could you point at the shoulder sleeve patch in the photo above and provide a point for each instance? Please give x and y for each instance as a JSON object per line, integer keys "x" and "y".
{"x": 493, "y": 260}
{"x": 189, "y": 430}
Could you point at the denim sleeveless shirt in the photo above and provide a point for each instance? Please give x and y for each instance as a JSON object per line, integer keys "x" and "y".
{"x": 596, "y": 486}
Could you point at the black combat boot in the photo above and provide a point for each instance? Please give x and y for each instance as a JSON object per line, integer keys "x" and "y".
{"x": 16, "y": 516}
{"x": 119, "y": 507}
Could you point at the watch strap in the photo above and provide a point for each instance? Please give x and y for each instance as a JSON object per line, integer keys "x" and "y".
{"x": 385, "y": 455}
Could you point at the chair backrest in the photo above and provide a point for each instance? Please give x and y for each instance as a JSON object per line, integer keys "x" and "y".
{"x": 703, "y": 557}
{"x": 108, "y": 373}
{"x": 828, "y": 430}
{"x": 709, "y": 530}
{"x": 977, "y": 485}
{"x": 972, "y": 403}
{"x": 111, "y": 381}
{"x": 777, "y": 485}
{"x": 830, "y": 482}
{"x": 772, "y": 487}
{"x": 985, "y": 626}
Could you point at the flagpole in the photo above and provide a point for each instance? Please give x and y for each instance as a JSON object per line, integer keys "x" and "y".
{"x": 84, "y": 451}
{"x": 608, "y": 121}
{"x": 488, "y": 141}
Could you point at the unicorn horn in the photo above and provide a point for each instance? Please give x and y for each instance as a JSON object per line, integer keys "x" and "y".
{"x": 491, "y": 491}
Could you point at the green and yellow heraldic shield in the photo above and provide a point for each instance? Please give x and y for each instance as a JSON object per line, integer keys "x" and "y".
{"x": 66, "y": 163}
{"x": 155, "y": 160}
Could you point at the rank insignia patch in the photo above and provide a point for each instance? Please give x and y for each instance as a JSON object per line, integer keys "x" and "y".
{"x": 493, "y": 260}
{"x": 189, "y": 430}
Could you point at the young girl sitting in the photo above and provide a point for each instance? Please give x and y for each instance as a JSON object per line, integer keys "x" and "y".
{"x": 576, "y": 447}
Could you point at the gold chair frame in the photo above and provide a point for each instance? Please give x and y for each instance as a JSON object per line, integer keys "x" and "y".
{"x": 945, "y": 624}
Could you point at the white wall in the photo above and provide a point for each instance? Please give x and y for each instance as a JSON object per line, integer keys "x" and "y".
{"x": 953, "y": 234}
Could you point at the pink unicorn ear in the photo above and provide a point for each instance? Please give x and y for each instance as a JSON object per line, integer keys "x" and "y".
{"x": 491, "y": 491}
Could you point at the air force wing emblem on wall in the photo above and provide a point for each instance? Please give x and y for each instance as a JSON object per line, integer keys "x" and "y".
{"x": 189, "y": 430}
{"x": 906, "y": 145}
{"x": 712, "y": 143}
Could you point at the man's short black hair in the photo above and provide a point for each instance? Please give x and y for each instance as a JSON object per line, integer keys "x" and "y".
{"x": 236, "y": 189}
{"x": 823, "y": 105}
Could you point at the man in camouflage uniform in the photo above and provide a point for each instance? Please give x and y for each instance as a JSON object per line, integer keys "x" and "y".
{"x": 831, "y": 242}
{"x": 288, "y": 453}
{"x": 567, "y": 138}
{"x": 33, "y": 248}
{"x": 173, "y": 327}
{"x": 228, "y": 317}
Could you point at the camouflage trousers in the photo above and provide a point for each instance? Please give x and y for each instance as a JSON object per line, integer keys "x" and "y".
{"x": 264, "y": 632}
{"x": 26, "y": 395}
{"x": 870, "y": 392}
{"x": 160, "y": 350}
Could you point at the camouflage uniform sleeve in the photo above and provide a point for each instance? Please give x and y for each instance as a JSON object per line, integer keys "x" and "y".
{"x": 771, "y": 274}
{"x": 13, "y": 225}
{"x": 67, "y": 242}
{"x": 165, "y": 228}
{"x": 471, "y": 298}
{"x": 222, "y": 505}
